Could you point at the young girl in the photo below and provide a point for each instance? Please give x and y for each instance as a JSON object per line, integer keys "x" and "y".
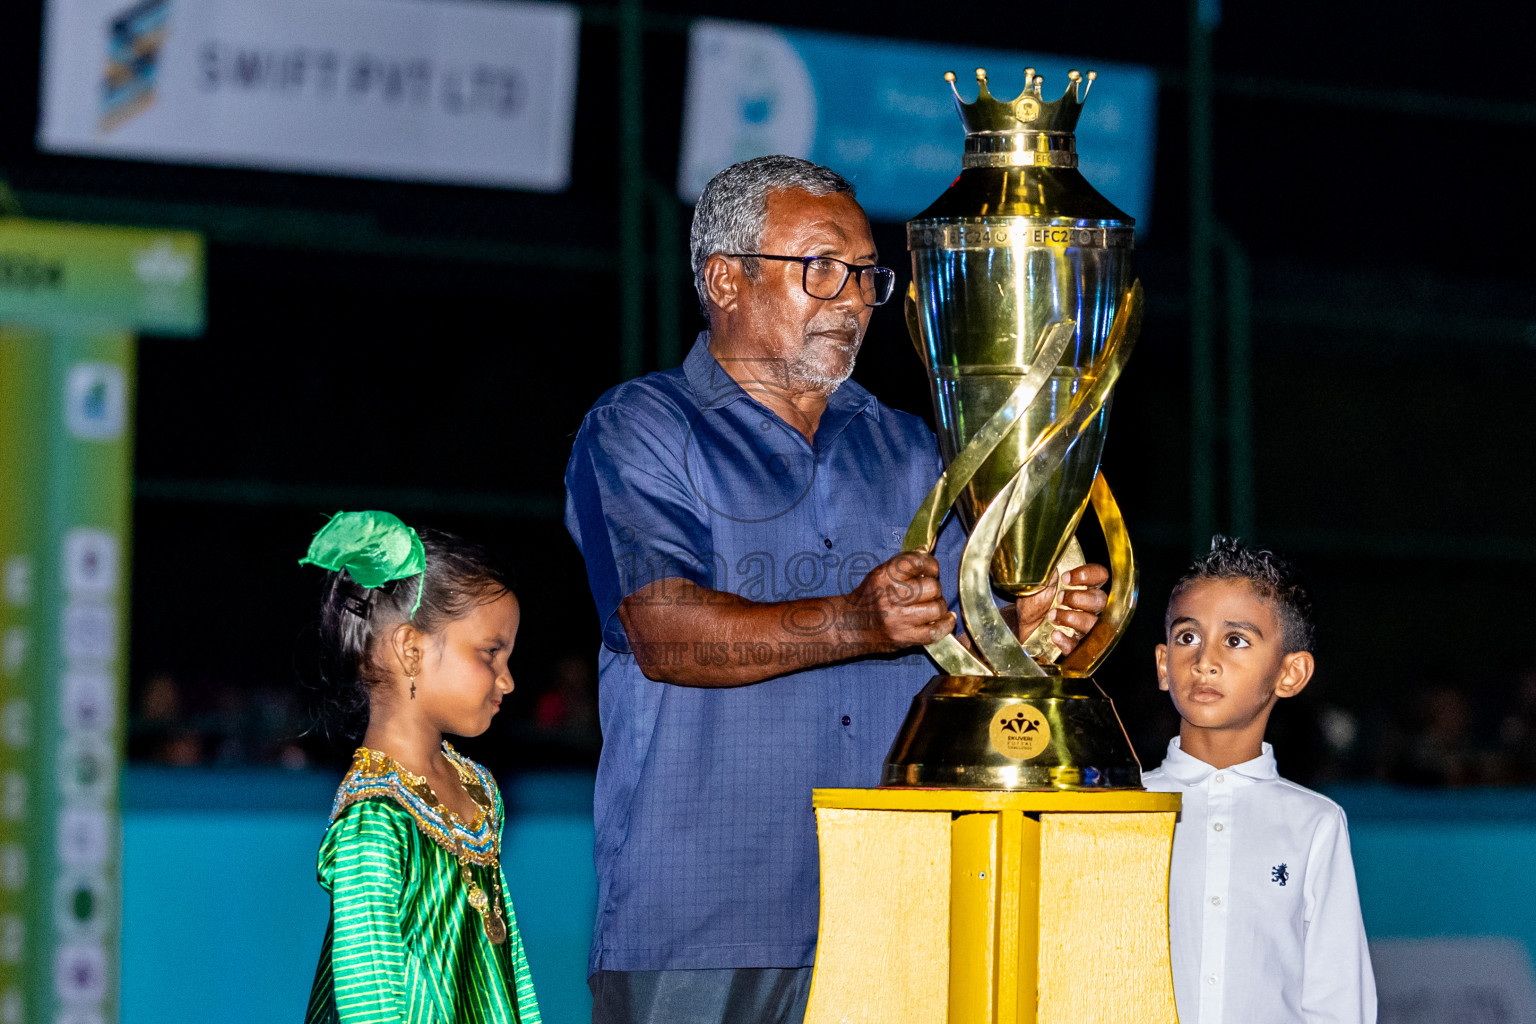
{"x": 415, "y": 632}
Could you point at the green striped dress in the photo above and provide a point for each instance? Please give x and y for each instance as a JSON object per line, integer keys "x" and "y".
{"x": 404, "y": 944}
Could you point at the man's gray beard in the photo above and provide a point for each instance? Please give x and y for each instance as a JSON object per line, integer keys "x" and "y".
{"x": 805, "y": 373}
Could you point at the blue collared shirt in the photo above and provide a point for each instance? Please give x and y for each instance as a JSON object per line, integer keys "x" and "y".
{"x": 706, "y": 841}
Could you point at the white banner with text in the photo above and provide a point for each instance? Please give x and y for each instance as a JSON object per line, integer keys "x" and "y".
{"x": 457, "y": 91}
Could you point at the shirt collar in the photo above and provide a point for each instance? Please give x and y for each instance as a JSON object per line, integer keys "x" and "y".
{"x": 1191, "y": 771}
{"x": 713, "y": 388}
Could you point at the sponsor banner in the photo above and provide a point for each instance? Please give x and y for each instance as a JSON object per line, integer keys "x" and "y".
{"x": 880, "y": 113}
{"x": 65, "y": 453}
{"x": 459, "y": 91}
{"x": 54, "y": 274}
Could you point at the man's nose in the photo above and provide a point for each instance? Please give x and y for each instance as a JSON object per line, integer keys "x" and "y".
{"x": 1205, "y": 664}
{"x": 852, "y": 296}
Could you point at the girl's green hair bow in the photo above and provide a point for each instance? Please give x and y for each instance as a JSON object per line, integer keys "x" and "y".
{"x": 373, "y": 548}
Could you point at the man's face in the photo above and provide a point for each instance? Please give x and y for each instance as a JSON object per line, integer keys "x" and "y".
{"x": 1225, "y": 656}
{"x": 814, "y": 340}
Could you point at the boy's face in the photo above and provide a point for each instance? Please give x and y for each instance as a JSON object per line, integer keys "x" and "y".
{"x": 1225, "y": 663}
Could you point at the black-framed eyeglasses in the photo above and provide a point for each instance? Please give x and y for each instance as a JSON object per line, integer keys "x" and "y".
{"x": 824, "y": 277}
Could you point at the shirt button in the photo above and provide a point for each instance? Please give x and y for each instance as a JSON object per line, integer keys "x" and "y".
{"x": 827, "y": 541}
{"x": 1221, "y": 778}
{"x": 1218, "y": 826}
{"x": 1210, "y": 979}
{"x": 1215, "y": 901}
{"x": 847, "y": 720}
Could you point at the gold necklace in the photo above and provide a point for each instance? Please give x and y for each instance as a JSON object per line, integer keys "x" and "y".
{"x": 490, "y": 909}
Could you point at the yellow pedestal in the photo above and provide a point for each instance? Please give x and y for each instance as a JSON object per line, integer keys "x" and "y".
{"x": 989, "y": 907}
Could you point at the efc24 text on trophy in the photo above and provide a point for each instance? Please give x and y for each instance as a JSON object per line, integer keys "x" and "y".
{"x": 1024, "y": 312}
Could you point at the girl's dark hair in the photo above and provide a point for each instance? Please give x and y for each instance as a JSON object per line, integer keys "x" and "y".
{"x": 1272, "y": 578}
{"x": 354, "y": 620}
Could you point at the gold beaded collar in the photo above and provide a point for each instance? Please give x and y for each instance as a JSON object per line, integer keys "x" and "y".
{"x": 375, "y": 774}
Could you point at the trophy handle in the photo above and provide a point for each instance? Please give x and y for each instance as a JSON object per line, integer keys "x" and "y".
{"x": 948, "y": 653}
{"x": 914, "y": 322}
{"x": 995, "y": 643}
{"x": 1124, "y": 586}
{"x": 924, "y": 529}
{"x": 989, "y": 631}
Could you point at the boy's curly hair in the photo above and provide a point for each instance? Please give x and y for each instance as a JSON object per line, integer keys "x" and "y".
{"x": 1272, "y": 577}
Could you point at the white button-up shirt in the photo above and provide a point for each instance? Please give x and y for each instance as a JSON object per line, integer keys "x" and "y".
{"x": 1264, "y": 916}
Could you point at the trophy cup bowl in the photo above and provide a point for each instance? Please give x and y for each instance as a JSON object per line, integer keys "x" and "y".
{"x": 978, "y": 340}
{"x": 1023, "y": 310}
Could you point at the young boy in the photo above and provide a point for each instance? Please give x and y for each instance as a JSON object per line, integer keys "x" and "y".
{"x": 1264, "y": 916}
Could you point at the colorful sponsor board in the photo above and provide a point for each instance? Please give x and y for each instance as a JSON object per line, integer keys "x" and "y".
{"x": 55, "y": 275}
{"x": 65, "y": 453}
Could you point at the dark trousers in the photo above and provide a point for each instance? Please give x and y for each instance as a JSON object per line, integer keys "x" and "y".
{"x": 741, "y": 995}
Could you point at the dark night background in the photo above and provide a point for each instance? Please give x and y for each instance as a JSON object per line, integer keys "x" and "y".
{"x": 431, "y": 350}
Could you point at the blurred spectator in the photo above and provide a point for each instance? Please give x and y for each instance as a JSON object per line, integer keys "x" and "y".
{"x": 1440, "y": 736}
{"x": 217, "y": 722}
{"x": 1341, "y": 731}
{"x": 1517, "y": 730}
{"x": 1432, "y": 743}
{"x": 568, "y": 708}
{"x": 1298, "y": 730}
{"x": 160, "y": 732}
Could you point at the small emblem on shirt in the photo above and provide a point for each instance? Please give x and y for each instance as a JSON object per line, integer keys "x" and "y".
{"x": 1019, "y": 732}
{"x": 1278, "y": 873}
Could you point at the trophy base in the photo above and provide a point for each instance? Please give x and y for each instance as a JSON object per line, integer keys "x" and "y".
{"x": 1013, "y": 733}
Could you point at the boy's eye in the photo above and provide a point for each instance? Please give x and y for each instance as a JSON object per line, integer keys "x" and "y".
{"x": 1186, "y": 638}
{"x": 1237, "y": 640}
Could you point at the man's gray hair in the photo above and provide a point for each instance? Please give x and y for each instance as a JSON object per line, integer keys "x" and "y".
{"x": 733, "y": 206}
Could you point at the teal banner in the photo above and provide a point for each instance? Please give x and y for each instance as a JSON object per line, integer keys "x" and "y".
{"x": 879, "y": 112}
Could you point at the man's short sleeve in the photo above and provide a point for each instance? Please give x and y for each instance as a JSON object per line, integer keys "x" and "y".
{"x": 630, "y": 508}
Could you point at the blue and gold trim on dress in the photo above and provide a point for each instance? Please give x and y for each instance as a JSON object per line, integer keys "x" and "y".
{"x": 376, "y": 775}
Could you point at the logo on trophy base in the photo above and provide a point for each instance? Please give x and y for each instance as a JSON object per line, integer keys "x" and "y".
{"x": 1019, "y": 732}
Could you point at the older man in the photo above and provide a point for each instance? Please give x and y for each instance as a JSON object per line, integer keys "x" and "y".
{"x": 741, "y": 518}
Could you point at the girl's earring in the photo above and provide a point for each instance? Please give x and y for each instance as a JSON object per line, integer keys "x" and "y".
{"x": 413, "y": 687}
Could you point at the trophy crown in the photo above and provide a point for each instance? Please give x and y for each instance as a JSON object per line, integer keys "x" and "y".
{"x": 1028, "y": 111}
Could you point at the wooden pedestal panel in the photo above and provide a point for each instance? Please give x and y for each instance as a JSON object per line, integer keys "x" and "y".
{"x": 986, "y": 907}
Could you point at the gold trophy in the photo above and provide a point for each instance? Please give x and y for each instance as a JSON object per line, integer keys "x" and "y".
{"x": 1024, "y": 312}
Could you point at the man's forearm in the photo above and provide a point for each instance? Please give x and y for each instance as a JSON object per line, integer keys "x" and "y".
{"x": 686, "y": 634}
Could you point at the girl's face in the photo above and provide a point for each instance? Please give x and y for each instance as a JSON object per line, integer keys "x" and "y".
{"x": 464, "y": 671}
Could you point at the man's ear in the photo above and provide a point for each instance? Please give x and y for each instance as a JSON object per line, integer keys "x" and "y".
{"x": 1295, "y": 673}
{"x": 722, "y": 282}
{"x": 1161, "y": 653}
{"x": 405, "y": 647}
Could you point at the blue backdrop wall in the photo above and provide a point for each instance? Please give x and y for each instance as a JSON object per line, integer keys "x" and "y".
{"x": 223, "y": 919}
